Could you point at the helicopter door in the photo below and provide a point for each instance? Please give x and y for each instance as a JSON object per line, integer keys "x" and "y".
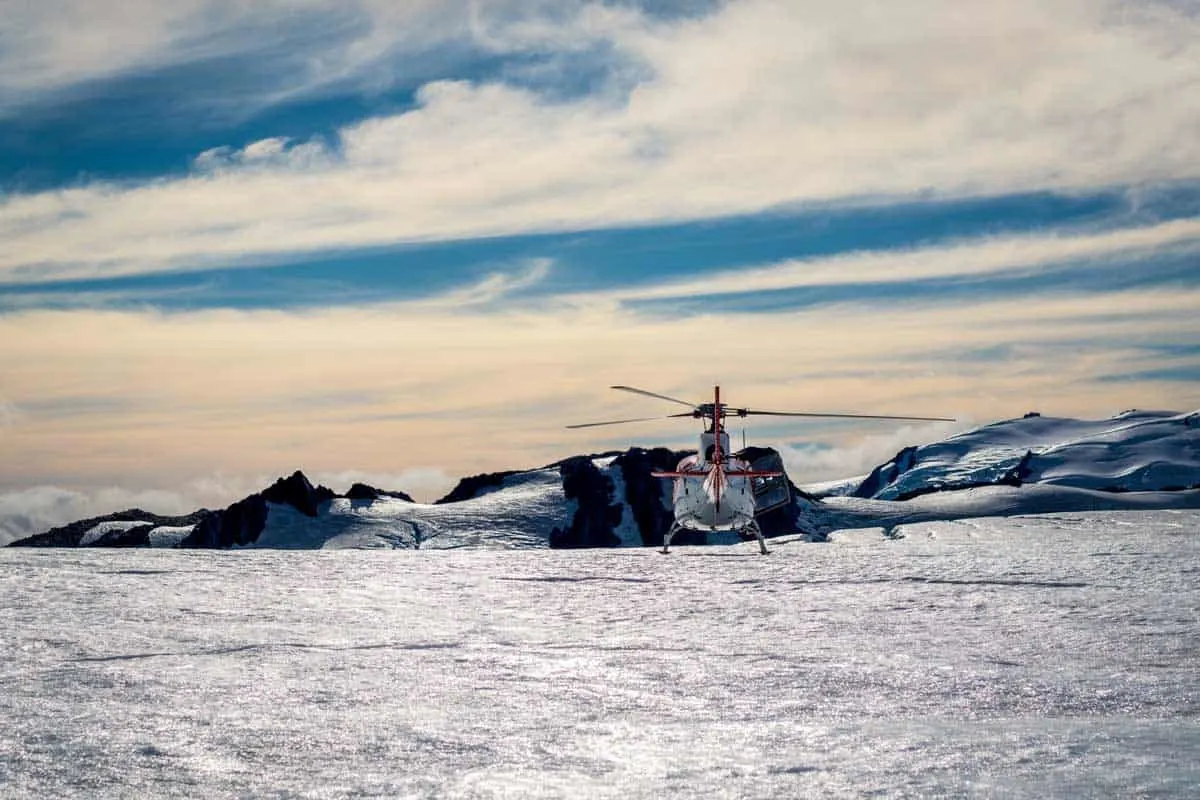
{"x": 770, "y": 493}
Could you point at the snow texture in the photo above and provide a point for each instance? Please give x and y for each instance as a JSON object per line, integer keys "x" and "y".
{"x": 1138, "y": 460}
{"x": 1136, "y": 451}
{"x": 1077, "y": 465}
{"x": 95, "y": 533}
{"x": 1023, "y": 657}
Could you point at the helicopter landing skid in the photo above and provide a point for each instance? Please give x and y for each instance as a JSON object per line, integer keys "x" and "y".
{"x": 752, "y": 527}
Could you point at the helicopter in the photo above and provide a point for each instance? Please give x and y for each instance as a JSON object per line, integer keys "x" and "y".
{"x": 714, "y": 489}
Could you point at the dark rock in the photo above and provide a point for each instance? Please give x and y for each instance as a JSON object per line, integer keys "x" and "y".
{"x": 789, "y": 519}
{"x": 1017, "y": 475}
{"x": 649, "y": 498}
{"x": 886, "y": 474}
{"x": 242, "y": 523}
{"x": 71, "y": 534}
{"x": 132, "y": 537}
{"x": 362, "y": 491}
{"x": 297, "y": 492}
{"x": 474, "y": 486}
{"x": 596, "y": 515}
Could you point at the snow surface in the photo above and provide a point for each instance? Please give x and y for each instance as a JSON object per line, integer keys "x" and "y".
{"x": 96, "y": 532}
{"x": 518, "y": 514}
{"x": 627, "y": 529}
{"x": 1025, "y": 657}
{"x": 1138, "y": 460}
{"x": 169, "y": 535}
{"x": 1136, "y": 451}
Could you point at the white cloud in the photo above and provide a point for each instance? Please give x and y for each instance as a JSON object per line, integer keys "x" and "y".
{"x": 62, "y": 45}
{"x": 761, "y": 104}
{"x": 493, "y": 287}
{"x": 484, "y": 388}
{"x": 423, "y": 484}
{"x": 24, "y": 512}
{"x": 852, "y": 455}
{"x": 991, "y": 255}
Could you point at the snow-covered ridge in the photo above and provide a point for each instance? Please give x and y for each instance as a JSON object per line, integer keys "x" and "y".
{"x": 1138, "y": 451}
{"x": 1031, "y": 465}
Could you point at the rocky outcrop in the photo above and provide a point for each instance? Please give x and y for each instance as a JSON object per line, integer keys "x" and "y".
{"x": 72, "y": 534}
{"x": 887, "y": 473}
{"x": 243, "y": 522}
{"x": 297, "y": 492}
{"x": 647, "y": 497}
{"x": 595, "y": 513}
{"x": 363, "y": 491}
{"x": 475, "y": 485}
{"x": 239, "y": 524}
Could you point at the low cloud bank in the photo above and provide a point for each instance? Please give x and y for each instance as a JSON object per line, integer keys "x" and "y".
{"x": 24, "y": 512}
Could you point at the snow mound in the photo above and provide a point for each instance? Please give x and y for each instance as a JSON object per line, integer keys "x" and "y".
{"x": 520, "y": 512}
{"x": 1139, "y": 460}
{"x": 583, "y": 501}
{"x": 1138, "y": 451}
{"x": 98, "y": 532}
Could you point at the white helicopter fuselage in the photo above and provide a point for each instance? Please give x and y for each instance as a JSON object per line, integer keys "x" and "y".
{"x": 708, "y": 498}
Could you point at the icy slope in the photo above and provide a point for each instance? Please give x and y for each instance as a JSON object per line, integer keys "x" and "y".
{"x": 1033, "y": 465}
{"x": 1136, "y": 451}
{"x": 522, "y": 512}
{"x": 583, "y": 501}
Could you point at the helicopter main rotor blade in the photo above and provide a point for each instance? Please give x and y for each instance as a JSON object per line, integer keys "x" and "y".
{"x": 652, "y": 394}
{"x": 623, "y": 421}
{"x": 742, "y": 412}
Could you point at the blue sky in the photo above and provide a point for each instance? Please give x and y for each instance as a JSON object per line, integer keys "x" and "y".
{"x": 412, "y": 241}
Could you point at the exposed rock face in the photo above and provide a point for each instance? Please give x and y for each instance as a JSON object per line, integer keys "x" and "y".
{"x": 597, "y": 509}
{"x": 787, "y": 519}
{"x": 363, "y": 491}
{"x": 297, "y": 492}
{"x": 648, "y": 500}
{"x": 475, "y": 485}
{"x": 648, "y": 497}
{"x": 243, "y": 522}
{"x": 886, "y": 474}
{"x": 596, "y": 514}
{"x": 71, "y": 534}
{"x": 239, "y": 524}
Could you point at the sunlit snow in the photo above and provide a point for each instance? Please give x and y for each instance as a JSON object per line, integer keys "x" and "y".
{"x": 1027, "y": 657}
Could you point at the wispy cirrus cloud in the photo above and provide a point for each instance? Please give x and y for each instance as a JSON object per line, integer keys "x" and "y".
{"x": 978, "y": 258}
{"x": 756, "y": 105}
{"x": 496, "y": 286}
{"x": 72, "y": 47}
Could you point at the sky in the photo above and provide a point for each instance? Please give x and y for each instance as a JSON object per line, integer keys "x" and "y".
{"x": 406, "y": 242}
